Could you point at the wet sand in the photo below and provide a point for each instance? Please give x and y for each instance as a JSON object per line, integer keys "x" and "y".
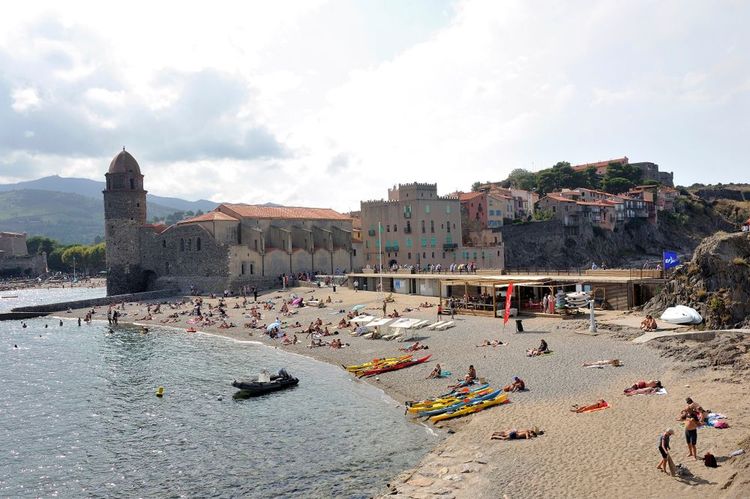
{"x": 612, "y": 452}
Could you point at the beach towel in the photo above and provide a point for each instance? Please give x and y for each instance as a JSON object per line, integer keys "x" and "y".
{"x": 444, "y": 374}
{"x": 646, "y": 391}
{"x": 605, "y": 406}
{"x": 549, "y": 352}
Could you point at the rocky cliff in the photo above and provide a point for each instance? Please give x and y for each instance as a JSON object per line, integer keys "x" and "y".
{"x": 550, "y": 245}
{"x": 716, "y": 282}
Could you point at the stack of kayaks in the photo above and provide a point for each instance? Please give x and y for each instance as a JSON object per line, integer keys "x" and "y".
{"x": 681, "y": 314}
{"x": 458, "y": 404}
{"x": 375, "y": 363}
{"x": 379, "y": 369}
{"x": 578, "y": 299}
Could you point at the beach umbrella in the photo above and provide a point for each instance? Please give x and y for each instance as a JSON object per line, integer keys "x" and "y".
{"x": 273, "y": 326}
{"x": 356, "y": 308}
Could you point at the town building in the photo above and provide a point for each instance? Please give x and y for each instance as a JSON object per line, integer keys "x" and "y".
{"x": 417, "y": 227}
{"x": 232, "y": 246}
{"x": 649, "y": 170}
{"x": 15, "y": 259}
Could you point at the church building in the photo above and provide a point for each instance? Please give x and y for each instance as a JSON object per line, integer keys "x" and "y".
{"x": 227, "y": 248}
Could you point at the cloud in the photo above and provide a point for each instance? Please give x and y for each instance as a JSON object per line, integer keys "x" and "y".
{"x": 305, "y": 103}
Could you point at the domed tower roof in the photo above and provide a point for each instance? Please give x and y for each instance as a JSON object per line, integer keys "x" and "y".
{"x": 124, "y": 162}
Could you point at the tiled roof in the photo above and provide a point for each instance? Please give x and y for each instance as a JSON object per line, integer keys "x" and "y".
{"x": 600, "y": 164}
{"x": 281, "y": 212}
{"x": 158, "y": 228}
{"x": 469, "y": 196}
{"x": 595, "y": 203}
{"x": 211, "y": 216}
{"x": 557, "y": 197}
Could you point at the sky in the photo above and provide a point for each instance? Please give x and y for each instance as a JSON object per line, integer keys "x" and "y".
{"x": 326, "y": 103}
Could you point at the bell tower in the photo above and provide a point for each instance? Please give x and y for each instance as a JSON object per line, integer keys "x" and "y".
{"x": 124, "y": 215}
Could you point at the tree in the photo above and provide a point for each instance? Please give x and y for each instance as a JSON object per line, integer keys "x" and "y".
{"x": 521, "y": 178}
{"x": 617, "y": 185}
{"x": 475, "y": 186}
{"x": 37, "y": 245}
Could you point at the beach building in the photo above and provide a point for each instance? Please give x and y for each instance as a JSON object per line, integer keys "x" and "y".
{"x": 484, "y": 292}
{"x": 415, "y": 227}
{"x": 232, "y": 246}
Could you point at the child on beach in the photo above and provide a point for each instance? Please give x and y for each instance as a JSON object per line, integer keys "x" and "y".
{"x": 664, "y": 450}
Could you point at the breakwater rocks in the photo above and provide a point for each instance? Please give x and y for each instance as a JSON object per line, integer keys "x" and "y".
{"x": 716, "y": 282}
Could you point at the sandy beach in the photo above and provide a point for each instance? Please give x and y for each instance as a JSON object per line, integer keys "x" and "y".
{"x": 612, "y": 452}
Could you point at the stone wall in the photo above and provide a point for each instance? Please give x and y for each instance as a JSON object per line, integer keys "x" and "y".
{"x": 96, "y": 302}
{"x": 23, "y": 265}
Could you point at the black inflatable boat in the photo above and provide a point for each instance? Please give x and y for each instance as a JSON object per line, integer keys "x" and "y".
{"x": 253, "y": 387}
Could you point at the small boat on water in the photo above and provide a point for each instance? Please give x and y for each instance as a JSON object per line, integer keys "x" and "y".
{"x": 264, "y": 383}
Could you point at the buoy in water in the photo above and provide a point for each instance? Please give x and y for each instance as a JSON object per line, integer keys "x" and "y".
{"x": 160, "y": 391}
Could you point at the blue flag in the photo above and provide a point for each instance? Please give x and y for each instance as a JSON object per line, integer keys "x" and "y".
{"x": 670, "y": 260}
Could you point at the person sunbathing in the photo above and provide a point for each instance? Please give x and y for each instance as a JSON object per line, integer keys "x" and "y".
{"x": 488, "y": 343}
{"x": 648, "y": 324}
{"x": 436, "y": 373}
{"x": 542, "y": 349}
{"x": 517, "y": 385}
{"x": 516, "y": 434}
{"x": 654, "y": 383}
{"x": 602, "y": 363}
{"x": 413, "y": 348}
{"x": 394, "y": 315}
{"x": 336, "y": 343}
{"x": 600, "y": 404}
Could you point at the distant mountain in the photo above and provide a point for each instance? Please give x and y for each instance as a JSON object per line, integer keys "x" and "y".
{"x": 93, "y": 189}
{"x": 65, "y": 216}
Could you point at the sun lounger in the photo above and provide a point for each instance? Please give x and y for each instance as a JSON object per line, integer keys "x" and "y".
{"x": 421, "y": 324}
{"x": 397, "y": 331}
{"x": 445, "y": 325}
{"x": 436, "y": 324}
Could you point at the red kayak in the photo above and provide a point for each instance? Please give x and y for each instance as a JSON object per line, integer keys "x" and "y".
{"x": 394, "y": 367}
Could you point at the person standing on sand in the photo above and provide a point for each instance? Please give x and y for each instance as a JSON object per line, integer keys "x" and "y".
{"x": 384, "y": 308}
{"x": 664, "y": 450}
{"x": 691, "y": 434}
{"x": 356, "y": 286}
{"x": 439, "y": 311}
{"x": 255, "y": 293}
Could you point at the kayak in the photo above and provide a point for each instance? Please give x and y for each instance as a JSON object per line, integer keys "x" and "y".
{"x": 448, "y": 401}
{"x": 394, "y": 367}
{"x": 461, "y": 392}
{"x": 491, "y": 394}
{"x": 471, "y": 408}
{"x": 378, "y": 362}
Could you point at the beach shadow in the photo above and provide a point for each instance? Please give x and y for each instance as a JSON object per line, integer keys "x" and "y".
{"x": 695, "y": 480}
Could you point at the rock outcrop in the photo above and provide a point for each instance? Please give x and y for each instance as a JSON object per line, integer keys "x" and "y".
{"x": 716, "y": 282}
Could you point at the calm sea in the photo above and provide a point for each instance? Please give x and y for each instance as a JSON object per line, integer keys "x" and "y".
{"x": 80, "y": 418}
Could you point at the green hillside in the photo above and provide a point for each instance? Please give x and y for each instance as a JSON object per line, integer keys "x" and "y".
{"x": 68, "y": 218}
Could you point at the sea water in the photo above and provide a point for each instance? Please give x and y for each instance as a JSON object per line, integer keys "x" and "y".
{"x": 79, "y": 417}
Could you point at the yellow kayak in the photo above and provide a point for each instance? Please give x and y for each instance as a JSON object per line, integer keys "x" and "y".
{"x": 378, "y": 363}
{"x": 471, "y": 409}
{"x": 446, "y": 401}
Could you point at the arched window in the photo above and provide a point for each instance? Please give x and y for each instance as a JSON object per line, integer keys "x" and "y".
{"x": 198, "y": 244}
{"x": 132, "y": 183}
{"x": 182, "y": 245}
{"x": 163, "y": 243}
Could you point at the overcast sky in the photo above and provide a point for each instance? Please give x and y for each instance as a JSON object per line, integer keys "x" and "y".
{"x": 326, "y": 103}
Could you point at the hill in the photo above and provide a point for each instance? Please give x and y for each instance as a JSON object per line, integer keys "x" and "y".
{"x": 93, "y": 189}
{"x": 64, "y": 216}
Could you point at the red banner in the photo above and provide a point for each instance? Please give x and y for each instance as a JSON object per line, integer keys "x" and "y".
{"x": 508, "y": 295}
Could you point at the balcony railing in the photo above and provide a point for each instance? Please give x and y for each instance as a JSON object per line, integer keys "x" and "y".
{"x": 450, "y": 246}
{"x": 391, "y": 249}
{"x": 407, "y": 230}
